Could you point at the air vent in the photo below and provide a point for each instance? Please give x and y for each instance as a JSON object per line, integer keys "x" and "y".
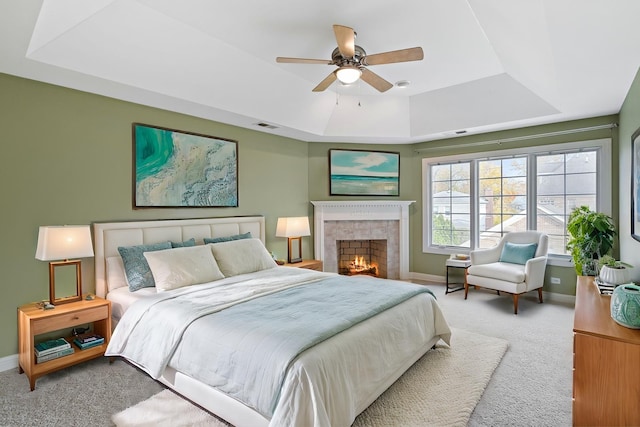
{"x": 266, "y": 125}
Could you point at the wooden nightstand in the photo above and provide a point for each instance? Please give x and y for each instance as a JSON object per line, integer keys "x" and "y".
{"x": 310, "y": 264}
{"x": 34, "y": 321}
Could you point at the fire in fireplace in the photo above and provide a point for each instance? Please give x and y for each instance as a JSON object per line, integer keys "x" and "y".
{"x": 362, "y": 257}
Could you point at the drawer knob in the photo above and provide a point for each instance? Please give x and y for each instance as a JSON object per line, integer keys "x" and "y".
{"x": 75, "y": 317}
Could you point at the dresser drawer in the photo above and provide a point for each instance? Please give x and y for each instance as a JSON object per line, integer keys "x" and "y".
{"x": 67, "y": 320}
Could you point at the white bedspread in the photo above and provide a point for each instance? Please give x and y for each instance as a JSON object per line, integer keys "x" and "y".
{"x": 326, "y": 385}
{"x": 133, "y": 339}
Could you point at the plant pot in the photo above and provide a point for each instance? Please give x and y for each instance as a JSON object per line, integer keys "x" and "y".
{"x": 625, "y": 306}
{"x": 614, "y": 276}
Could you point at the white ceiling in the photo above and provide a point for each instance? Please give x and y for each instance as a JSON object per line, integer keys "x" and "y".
{"x": 488, "y": 64}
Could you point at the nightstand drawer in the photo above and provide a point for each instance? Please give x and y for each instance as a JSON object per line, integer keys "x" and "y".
{"x": 65, "y": 320}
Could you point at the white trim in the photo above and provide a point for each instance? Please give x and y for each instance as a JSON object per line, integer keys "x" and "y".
{"x": 8, "y": 362}
{"x": 432, "y": 278}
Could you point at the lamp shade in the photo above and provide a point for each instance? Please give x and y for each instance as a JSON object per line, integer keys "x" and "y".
{"x": 348, "y": 74}
{"x": 64, "y": 242}
{"x": 293, "y": 227}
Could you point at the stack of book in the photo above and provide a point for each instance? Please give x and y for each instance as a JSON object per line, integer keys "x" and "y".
{"x": 604, "y": 287}
{"x": 88, "y": 340}
{"x": 52, "y": 349}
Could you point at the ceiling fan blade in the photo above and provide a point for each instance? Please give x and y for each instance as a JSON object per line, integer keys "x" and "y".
{"x": 375, "y": 80}
{"x": 326, "y": 82}
{"x": 346, "y": 38}
{"x": 402, "y": 55}
{"x": 284, "y": 60}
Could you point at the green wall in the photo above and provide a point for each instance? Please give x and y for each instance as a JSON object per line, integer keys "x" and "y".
{"x": 66, "y": 159}
{"x": 629, "y": 123}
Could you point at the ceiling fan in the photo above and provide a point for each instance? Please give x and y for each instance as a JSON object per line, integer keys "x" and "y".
{"x": 352, "y": 61}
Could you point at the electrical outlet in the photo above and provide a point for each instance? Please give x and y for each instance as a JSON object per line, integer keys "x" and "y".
{"x": 555, "y": 280}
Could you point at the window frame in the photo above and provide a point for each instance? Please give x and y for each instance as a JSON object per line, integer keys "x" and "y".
{"x": 603, "y": 197}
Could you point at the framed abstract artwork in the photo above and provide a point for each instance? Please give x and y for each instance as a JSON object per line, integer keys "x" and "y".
{"x": 174, "y": 169}
{"x": 635, "y": 185}
{"x": 364, "y": 173}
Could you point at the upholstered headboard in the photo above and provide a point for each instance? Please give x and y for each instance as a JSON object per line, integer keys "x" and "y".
{"x": 110, "y": 235}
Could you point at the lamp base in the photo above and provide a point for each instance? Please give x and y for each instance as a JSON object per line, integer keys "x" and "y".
{"x": 52, "y": 282}
{"x": 292, "y": 255}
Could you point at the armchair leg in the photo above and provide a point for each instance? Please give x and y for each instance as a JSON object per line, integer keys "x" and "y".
{"x": 466, "y": 284}
{"x": 540, "y": 295}
{"x": 515, "y": 303}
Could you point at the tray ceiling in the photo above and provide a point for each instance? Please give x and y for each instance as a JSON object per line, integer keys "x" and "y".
{"x": 489, "y": 64}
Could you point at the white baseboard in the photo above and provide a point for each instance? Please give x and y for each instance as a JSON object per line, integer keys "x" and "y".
{"x": 8, "y": 362}
{"x": 561, "y": 298}
{"x": 427, "y": 277}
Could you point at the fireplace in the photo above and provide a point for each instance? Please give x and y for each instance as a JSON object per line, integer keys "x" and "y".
{"x": 363, "y": 220}
{"x": 367, "y": 257}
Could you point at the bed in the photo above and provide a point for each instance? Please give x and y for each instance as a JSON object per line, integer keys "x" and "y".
{"x": 331, "y": 358}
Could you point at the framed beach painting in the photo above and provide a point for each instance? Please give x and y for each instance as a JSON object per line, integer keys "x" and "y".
{"x": 183, "y": 169}
{"x": 364, "y": 173}
{"x": 635, "y": 185}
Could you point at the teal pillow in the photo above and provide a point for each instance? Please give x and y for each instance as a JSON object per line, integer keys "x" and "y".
{"x": 136, "y": 267}
{"x": 518, "y": 253}
{"x": 246, "y": 235}
{"x": 190, "y": 242}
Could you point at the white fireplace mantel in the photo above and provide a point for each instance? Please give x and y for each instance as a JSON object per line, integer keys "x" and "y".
{"x": 364, "y": 210}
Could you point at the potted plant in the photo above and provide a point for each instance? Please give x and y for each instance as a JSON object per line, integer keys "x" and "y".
{"x": 592, "y": 236}
{"x": 612, "y": 271}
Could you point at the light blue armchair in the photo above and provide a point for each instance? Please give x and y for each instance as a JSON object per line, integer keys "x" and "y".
{"x": 516, "y": 265}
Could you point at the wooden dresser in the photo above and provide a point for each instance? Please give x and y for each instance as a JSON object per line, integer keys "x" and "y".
{"x": 606, "y": 363}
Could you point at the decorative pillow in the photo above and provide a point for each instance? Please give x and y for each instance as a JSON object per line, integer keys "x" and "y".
{"x": 115, "y": 273}
{"x": 135, "y": 265}
{"x": 186, "y": 243}
{"x": 518, "y": 253}
{"x": 175, "y": 268}
{"x": 242, "y": 256}
{"x": 246, "y": 235}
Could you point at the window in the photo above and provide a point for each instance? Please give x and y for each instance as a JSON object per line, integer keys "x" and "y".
{"x": 451, "y": 207}
{"x": 473, "y": 200}
{"x": 564, "y": 181}
{"x": 502, "y": 198}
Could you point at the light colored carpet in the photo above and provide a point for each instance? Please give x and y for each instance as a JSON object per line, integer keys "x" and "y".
{"x": 441, "y": 389}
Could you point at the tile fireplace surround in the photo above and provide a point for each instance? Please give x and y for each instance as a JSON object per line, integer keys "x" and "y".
{"x": 362, "y": 220}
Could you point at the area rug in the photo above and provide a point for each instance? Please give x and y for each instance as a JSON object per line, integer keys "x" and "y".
{"x": 440, "y": 389}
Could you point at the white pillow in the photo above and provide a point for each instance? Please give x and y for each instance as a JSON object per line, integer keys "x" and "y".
{"x": 175, "y": 268}
{"x": 116, "y": 278}
{"x": 242, "y": 256}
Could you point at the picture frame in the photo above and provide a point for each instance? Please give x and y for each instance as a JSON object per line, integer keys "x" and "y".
{"x": 635, "y": 185}
{"x": 178, "y": 169}
{"x": 364, "y": 173}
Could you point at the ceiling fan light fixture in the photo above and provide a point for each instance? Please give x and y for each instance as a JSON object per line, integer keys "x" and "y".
{"x": 348, "y": 74}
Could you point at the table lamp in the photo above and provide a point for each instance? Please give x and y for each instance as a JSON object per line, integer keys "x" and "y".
{"x": 64, "y": 242}
{"x": 293, "y": 228}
